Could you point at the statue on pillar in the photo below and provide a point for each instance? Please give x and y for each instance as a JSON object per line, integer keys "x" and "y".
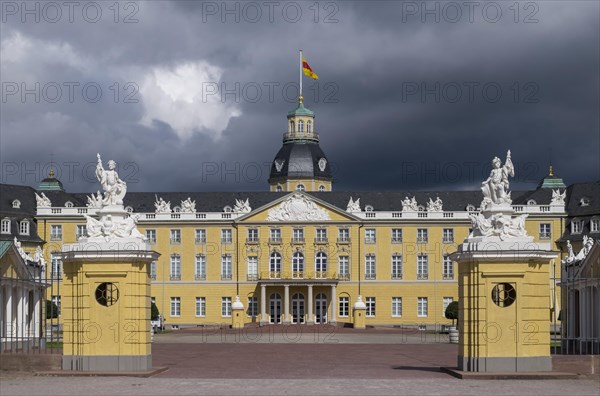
{"x": 114, "y": 188}
{"x": 495, "y": 188}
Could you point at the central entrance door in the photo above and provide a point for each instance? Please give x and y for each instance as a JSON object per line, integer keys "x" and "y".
{"x": 321, "y": 309}
{"x": 298, "y": 308}
{"x": 275, "y": 308}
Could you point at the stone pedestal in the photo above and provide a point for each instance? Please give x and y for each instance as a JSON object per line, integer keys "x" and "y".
{"x": 237, "y": 314}
{"x": 359, "y": 311}
{"x": 106, "y": 305}
{"x": 504, "y": 297}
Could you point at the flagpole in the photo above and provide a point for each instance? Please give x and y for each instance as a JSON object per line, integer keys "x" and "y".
{"x": 300, "y": 98}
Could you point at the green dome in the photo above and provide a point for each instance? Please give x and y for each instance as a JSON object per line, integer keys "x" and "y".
{"x": 51, "y": 183}
{"x": 301, "y": 111}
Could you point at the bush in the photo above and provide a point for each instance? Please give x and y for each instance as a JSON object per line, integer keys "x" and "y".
{"x": 154, "y": 313}
{"x": 452, "y": 311}
{"x": 51, "y": 310}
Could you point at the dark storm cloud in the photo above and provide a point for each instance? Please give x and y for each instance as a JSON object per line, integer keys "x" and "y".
{"x": 402, "y": 102}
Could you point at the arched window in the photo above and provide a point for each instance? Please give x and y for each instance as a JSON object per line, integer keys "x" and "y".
{"x": 297, "y": 264}
{"x": 227, "y": 209}
{"x": 321, "y": 263}
{"x": 300, "y": 187}
{"x": 321, "y": 188}
{"x": 24, "y": 227}
{"x": 177, "y": 209}
{"x": 275, "y": 263}
{"x": 300, "y": 126}
{"x": 309, "y": 126}
{"x": 279, "y": 188}
{"x": 531, "y": 202}
{"x": 368, "y": 208}
{"x": 16, "y": 204}
{"x": 292, "y": 127}
{"x": 68, "y": 204}
{"x": 470, "y": 208}
{"x": 5, "y": 226}
{"x": 129, "y": 209}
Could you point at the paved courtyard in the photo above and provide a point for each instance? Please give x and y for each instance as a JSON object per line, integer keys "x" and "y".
{"x": 296, "y": 361}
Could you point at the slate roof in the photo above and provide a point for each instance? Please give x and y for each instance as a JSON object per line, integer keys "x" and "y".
{"x": 25, "y": 194}
{"x": 300, "y": 160}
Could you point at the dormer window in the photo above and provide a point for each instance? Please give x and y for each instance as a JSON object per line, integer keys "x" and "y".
{"x": 300, "y": 187}
{"x": 531, "y": 202}
{"x": 470, "y": 208}
{"x": 584, "y": 201}
{"x": 24, "y": 227}
{"x": 279, "y": 188}
{"x": 321, "y": 188}
{"x": 368, "y": 208}
{"x": 576, "y": 226}
{"x": 421, "y": 208}
{"x": 16, "y": 204}
{"x": 68, "y": 204}
{"x": 5, "y": 226}
{"x": 308, "y": 126}
{"x": 129, "y": 209}
{"x": 300, "y": 126}
{"x": 227, "y": 209}
{"x": 177, "y": 209}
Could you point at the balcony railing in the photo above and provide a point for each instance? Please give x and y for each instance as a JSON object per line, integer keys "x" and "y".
{"x": 396, "y": 240}
{"x": 343, "y": 239}
{"x": 200, "y": 277}
{"x": 252, "y": 240}
{"x": 56, "y": 237}
{"x": 252, "y": 277}
{"x": 175, "y": 277}
{"x": 545, "y": 235}
{"x": 344, "y": 276}
{"x": 300, "y": 135}
{"x": 422, "y": 239}
{"x": 320, "y": 240}
{"x": 447, "y": 276}
{"x": 298, "y": 240}
{"x": 422, "y": 276}
{"x": 370, "y": 240}
{"x": 396, "y": 276}
{"x": 298, "y": 275}
{"x": 448, "y": 240}
{"x": 200, "y": 241}
{"x": 275, "y": 240}
{"x": 226, "y": 240}
{"x": 175, "y": 241}
{"x": 370, "y": 276}
{"x": 225, "y": 276}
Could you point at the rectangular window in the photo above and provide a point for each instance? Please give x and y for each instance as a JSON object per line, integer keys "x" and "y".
{"x": 275, "y": 235}
{"x": 321, "y": 235}
{"x": 576, "y": 226}
{"x": 24, "y": 227}
{"x": 252, "y": 306}
{"x": 175, "y": 271}
{"x": 252, "y": 235}
{"x": 396, "y": 307}
{"x": 226, "y": 306}
{"x": 422, "y": 266}
{"x": 153, "y": 270}
{"x": 56, "y": 263}
{"x": 370, "y": 307}
{"x": 200, "y": 236}
{"x": 200, "y": 267}
{"x": 226, "y": 235}
{"x": 396, "y": 266}
{"x": 344, "y": 305}
{"x": 344, "y": 235}
{"x": 370, "y": 267}
{"x": 81, "y": 231}
{"x": 151, "y": 235}
{"x": 200, "y": 306}
{"x": 422, "y": 307}
{"x": 370, "y": 235}
{"x": 226, "y": 267}
{"x": 298, "y": 235}
{"x": 344, "y": 267}
{"x": 5, "y": 226}
{"x": 175, "y": 306}
{"x": 448, "y": 269}
{"x": 56, "y": 232}
{"x": 448, "y": 235}
{"x": 595, "y": 225}
{"x": 422, "y": 236}
{"x": 445, "y": 302}
{"x": 176, "y": 237}
{"x": 396, "y": 235}
{"x": 252, "y": 268}
{"x": 56, "y": 301}
{"x": 545, "y": 231}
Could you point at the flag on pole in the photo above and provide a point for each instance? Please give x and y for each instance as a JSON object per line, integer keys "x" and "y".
{"x": 307, "y": 70}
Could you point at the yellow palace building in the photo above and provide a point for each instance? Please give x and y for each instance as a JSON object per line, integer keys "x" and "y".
{"x": 300, "y": 252}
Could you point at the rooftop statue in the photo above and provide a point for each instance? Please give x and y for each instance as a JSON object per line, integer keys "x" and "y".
{"x": 114, "y": 188}
{"x": 495, "y": 188}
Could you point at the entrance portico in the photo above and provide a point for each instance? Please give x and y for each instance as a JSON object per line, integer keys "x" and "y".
{"x": 312, "y": 301}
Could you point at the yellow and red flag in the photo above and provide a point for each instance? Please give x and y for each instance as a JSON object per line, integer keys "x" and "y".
{"x": 307, "y": 70}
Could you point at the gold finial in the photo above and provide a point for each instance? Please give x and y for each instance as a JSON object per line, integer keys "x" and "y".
{"x": 550, "y": 172}
{"x": 300, "y": 99}
{"x": 51, "y": 174}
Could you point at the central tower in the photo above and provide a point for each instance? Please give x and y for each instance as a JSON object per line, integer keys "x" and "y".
{"x": 300, "y": 164}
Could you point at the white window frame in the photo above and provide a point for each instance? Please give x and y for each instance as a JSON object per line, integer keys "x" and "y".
{"x": 545, "y": 230}
{"x": 200, "y": 236}
{"x": 298, "y": 235}
{"x": 595, "y": 225}
{"x": 396, "y": 235}
{"x": 298, "y": 262}
{"x": 81, "y": 231}
{"x": 252, "y": 235}
{"x": 370, "y": 266}
{"x": 24, "y": 227}
{"x": 151, "y": 235}
{"x": 576, "y": 226}
{"x": 226, "y": 235}
{"x": 200, "y": 307}
{"x": 252, "y": 310}
{"x": 396, "y": 307}
{"x": 200, "y": 266}
{"x": 57, "y": 301}
{"x": 448, "y": 235}
{"x": 422, "y": 307}
{"x": 344, "y": 266}
{"x": 175, "y": 307}
{"x": 422, "y": 266}
{"x": 252, "y": 265}
{"x": 275, "y": 235}
{"x": 56, "y": 232}
{"x": 396, "y": 266}
{"x": 370, "y": 235}
{"x": 321, "y": 235}
{"x": 55, "y": 265}
{"x": 422, "y": 235}
{"x": 275, "y": 262}
{"x": 320, "y": 263}
{"x": 343, "y": 234}
{"x": 344, "y": 307}
{"x": 445, "y": 302}
{"x": 153, "y": 268}
{"x": 370, "y": 302}
{"x": 175, "y": 236}
{"x": 175, "y": 267}
{"x": 226, "y": 267}
{"x": 5, "y": 228}
{"x": 225, "y": 307}
{"x": 447, "y": 267}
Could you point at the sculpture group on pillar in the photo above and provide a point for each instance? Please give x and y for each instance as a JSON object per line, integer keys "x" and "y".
{"x": 114, "y": 188}
{"x": 496, "y": 218}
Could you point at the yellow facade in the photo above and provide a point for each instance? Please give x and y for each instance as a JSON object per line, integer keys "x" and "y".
{"x": 189, "y": 298}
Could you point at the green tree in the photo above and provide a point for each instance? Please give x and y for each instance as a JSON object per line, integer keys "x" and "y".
{"x": 154, "y": 313}
{"x": 452, "y": 311}
{"x": 51, "y": 310}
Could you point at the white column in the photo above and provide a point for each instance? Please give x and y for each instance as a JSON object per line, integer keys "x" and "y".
{"x": 37, "y": 295}
{"x": 8, "y": 323}
{"x": 263, "y": 304}
{"x": 333, "y": 305}
{"x": 20, "y": 313}
{"x": 311, "y": 314}
{"x": 286, "y": 304}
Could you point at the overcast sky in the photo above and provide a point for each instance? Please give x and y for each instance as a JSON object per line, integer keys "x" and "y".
{"x": 193, "y": 96}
